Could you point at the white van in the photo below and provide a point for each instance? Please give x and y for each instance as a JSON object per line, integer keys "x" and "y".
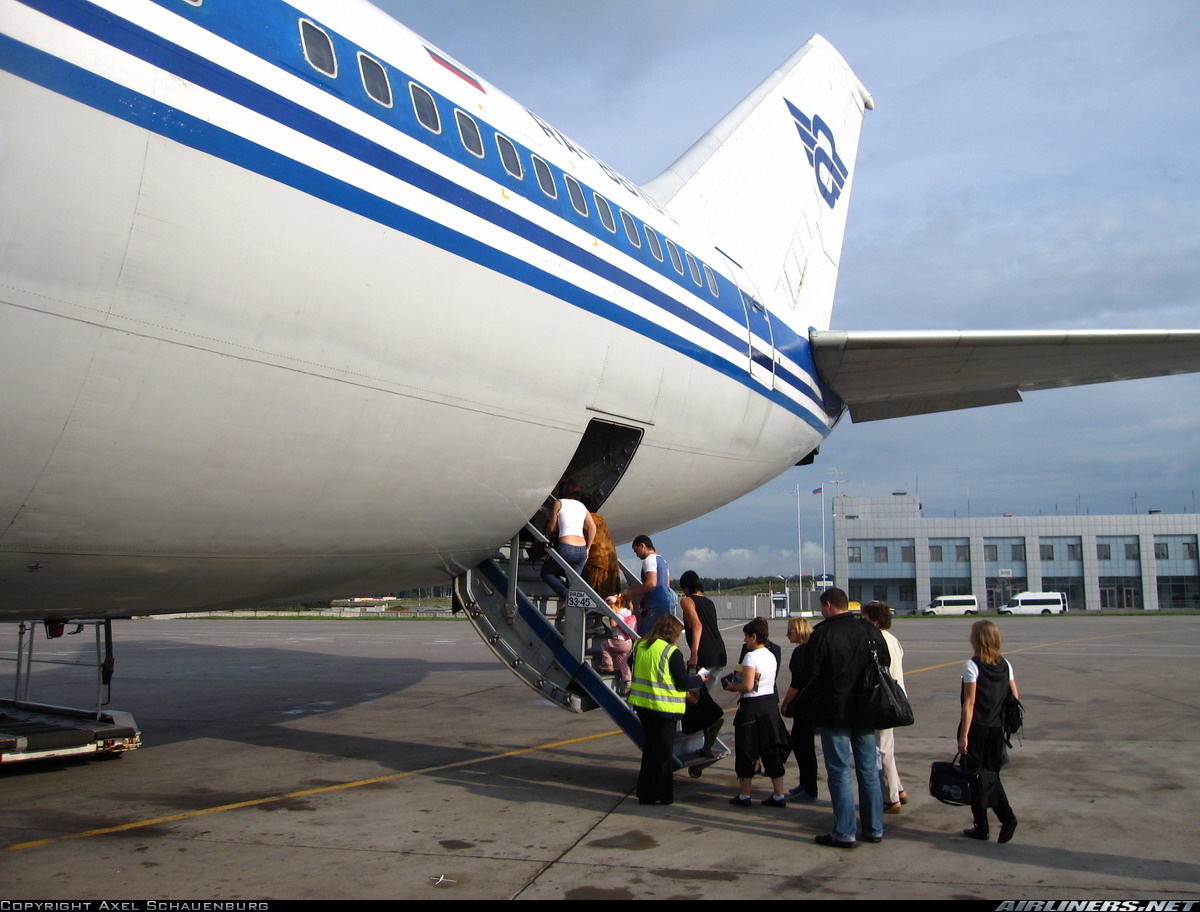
{"x": 1035, "y": 603}
{"x": 952, "y": 604}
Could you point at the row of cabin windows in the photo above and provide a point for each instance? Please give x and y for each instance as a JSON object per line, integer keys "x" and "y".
{"x": 318, "y": 50}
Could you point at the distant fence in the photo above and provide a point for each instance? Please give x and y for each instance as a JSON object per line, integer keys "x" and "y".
{"x": 729, "y": 607}
{"x": 768, "y": 605}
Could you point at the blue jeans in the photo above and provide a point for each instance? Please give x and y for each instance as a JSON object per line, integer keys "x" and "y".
{"x": 576, "y": 558}
{"x": 838, "y": 744}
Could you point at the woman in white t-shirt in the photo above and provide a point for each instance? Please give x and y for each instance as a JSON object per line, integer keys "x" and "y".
{"x": 758, "y": 732}
{"x": 987, "y": 681}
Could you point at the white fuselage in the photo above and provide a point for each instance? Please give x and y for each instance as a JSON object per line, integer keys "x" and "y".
{"x": 262, "y": 339}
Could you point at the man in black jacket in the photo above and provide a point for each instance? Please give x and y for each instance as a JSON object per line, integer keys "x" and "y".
{"x": 839, "y": 652}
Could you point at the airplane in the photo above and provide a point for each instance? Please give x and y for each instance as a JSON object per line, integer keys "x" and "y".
{"x": 294, "y": 305}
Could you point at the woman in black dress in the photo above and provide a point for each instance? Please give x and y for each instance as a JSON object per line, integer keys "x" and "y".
{"x": 803, "y": 745}
{"x": 987, "y": 680}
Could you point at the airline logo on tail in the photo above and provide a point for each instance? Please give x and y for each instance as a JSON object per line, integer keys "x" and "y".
{"x": 821, "y": 150}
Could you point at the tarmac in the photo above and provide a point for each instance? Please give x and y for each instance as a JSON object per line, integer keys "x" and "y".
{"x": 399, "y": 760}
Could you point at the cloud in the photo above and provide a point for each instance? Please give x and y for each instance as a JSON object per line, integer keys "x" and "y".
{"x": 738, "y": 562}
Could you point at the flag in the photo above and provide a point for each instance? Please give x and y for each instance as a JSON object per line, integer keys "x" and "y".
{"x": 817, "y": 490}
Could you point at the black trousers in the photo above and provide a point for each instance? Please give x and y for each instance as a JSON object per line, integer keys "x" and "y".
{"x": 986, "y": 751}
{"x": 656, "y": 782}
{"x": 805, "y": 748}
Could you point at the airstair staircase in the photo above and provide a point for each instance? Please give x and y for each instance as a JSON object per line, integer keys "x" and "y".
{"x": 549, "y": 643}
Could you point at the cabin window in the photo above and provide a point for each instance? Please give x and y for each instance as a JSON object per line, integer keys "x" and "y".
{"x": 425, "y": 108}
{"x": 375, "y": 80}
{"x": 576, "y": 193}
{"x": 468, "y": 132}
{"x": 318, "y": 49}
{"x": 675, "y": 260}
{"x": 693, "y": 269}
{"x": 194, "y": 2}
{"x": 631, "y": 230}
{"x": 508, "y": 155}
{"x": 655, "y": 246}
{"x": 605, "y": 211}
{"x": 544, "y": 178}
{"x": 712, "y": 282}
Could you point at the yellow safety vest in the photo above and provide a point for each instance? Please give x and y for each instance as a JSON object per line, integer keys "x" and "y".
{"x": 653, "y": 687}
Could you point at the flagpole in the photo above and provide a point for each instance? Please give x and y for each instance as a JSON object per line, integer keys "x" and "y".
{"x": 799, "y": 546}
{"x": 824, "y": 567}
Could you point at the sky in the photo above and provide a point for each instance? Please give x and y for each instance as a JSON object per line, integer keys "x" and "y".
{"x": 1027, "y": 166}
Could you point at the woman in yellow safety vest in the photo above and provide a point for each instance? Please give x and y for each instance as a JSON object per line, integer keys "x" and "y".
{"x": 658, "y": 695}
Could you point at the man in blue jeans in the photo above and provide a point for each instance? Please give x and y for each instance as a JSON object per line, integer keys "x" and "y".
{"x": 839, "y": 652}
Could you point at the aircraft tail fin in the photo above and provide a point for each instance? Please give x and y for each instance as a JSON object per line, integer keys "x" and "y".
{"x": 770, "y": 183}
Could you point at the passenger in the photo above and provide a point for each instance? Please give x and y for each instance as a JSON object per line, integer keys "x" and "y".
{"x": 799, "y": 707}
{"x": 758, "y": 731}
{"x": 776, "y": 651}
{"x": 652, "y": 598}
{"x": 707, "y": 651}
{"x": 894, "y": 795}
{"x": 603, "y": 570}
{"x": 573, "y": 524}
{"x": 614, "y": 652}
{"x": 987, "y": 681}
{"x": 658, "y": 694}
{"x": 837, "y": 657}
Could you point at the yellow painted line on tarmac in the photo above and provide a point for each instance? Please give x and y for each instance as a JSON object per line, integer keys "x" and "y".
{"x": 1008, "y": 652}
{"x": 301, "y": 793}
{"x": 393, "y": 777}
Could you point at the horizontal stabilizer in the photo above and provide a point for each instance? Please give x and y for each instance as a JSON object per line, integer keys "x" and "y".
{"x": 893, "y": 374}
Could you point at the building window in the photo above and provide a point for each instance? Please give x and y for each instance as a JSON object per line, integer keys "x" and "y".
{"x": 1074, "y": 552}
{"x": 425, "y": 108}
{"x": 318, "y": 49}
{"x": 935, "y": 554}
{"x": 990, "y": 553}
{"x": 1132, "y": 552}
{"x": 907, "y": 594}
{"x": 1189, "y": 550}
{"x": 1160, "y": 550}
{"x": 1103, "y": 552}
{"x": 375, "y": 80}
{"x": 962, "y": 554}
{"x": 879, "y": 593}
{"x": 855, "y": 593}
{"x": 881, "y": 555}
{"x": 855, "y": 554}
{"x": 908, "y": 553}
{"x": 1047, "y": 552}
{"x": 1018, "y": 552}
{"x": 508, "y": 156}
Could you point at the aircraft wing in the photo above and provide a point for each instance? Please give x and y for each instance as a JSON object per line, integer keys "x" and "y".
{"x": 893, "y": 374}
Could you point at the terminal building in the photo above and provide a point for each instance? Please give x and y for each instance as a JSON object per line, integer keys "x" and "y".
{"x": 885, "y": 549}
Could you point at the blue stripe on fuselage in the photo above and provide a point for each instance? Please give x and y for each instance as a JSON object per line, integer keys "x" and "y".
{"x": 132, "y": 107}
